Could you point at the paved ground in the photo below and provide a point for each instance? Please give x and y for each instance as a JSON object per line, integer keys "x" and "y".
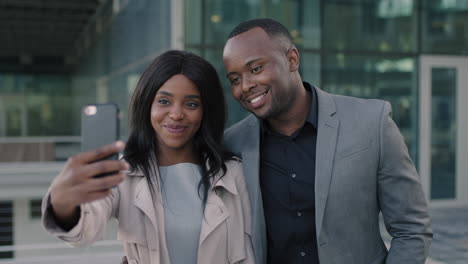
{"x": 450, "y": 242}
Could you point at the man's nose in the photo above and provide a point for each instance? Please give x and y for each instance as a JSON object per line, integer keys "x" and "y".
{"x": 248, "y": 83}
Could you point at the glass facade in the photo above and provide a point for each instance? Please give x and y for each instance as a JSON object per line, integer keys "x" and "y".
{"x": 35, "y": 105}
{"x": 41, "y": 113}
{"x": 109, "y": 69}
{"x": 444, "y": 27}
{"x": 357, "y": 47}
{"x": 208, "y": 23}
{"x": 363, "y": 48}
{"x": 443, "y": 136}
{"x": 362, "y": 25}
{"x": 390, "y": 78}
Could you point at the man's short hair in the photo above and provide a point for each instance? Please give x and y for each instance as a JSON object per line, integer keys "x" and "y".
{"x": 272, "y": 27}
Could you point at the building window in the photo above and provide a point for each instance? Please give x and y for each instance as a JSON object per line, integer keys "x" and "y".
{"x": 35, "y": 209}
{"x": 444, "y": 26}
{"x": 36, "y": 105}
{"x": 6, "y": 227}
{"x": 377, "y": 26}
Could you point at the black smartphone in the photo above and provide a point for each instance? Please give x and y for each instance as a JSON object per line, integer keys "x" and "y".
{"x": 99, "y": 126}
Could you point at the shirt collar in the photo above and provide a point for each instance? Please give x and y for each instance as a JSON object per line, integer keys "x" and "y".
{"x": 312, "y": 117}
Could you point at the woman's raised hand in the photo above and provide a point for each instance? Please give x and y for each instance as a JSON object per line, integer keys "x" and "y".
{"x": 77, "y": 184}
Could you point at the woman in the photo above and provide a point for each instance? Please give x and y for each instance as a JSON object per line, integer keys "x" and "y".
{"x": 183, "y": 199}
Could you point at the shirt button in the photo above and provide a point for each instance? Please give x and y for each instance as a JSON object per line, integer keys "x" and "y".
{"x": 293, "y": 175}
{"x": 299, "y": 214}
{"x": 303, "y": 254}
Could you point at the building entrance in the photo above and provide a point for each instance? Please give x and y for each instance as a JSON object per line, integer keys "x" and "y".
{"x": 443, "y": 126}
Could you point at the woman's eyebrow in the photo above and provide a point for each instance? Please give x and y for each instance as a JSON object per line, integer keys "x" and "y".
{"x": 164, "y": 93}
{"x": 194, "y": 96}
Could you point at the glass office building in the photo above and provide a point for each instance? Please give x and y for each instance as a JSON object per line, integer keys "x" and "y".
{"x": 412, "y": 53}
{"x": 55, "y": 57}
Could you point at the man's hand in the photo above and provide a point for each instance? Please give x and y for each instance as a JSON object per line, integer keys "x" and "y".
{"x": 77, "y": 184}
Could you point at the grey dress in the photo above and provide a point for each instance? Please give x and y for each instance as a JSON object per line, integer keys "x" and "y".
{"x": 182, "y": 211}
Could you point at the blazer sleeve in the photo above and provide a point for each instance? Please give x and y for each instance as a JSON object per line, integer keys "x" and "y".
{"x": 92, "y": 224}
{"x": 401, "y": 197}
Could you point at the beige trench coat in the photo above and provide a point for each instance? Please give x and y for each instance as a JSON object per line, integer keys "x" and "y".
{"x": 225, "y": 235}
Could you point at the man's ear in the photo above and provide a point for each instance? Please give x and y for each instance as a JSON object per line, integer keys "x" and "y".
{"x": 293, "y": 59}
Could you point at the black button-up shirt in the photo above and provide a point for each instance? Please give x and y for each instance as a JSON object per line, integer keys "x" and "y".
{"x": 287, "y": 178}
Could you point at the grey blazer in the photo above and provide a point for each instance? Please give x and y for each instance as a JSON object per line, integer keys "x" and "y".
{"x": 362, "y": 168}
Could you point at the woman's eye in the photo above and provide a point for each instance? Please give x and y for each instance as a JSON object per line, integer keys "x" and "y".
{"x": 163, "y": 101}
{"x": 192, "y": 105}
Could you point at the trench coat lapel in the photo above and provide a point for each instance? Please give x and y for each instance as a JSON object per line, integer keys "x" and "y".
{"x": 328, "y": 125}
{"x": 144, "y": 201}
{"x": 215, "y": 213}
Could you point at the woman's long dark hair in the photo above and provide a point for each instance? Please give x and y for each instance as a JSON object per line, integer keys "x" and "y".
{"x": 140, "y": 150}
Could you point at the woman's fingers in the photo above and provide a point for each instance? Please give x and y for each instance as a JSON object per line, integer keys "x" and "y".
{"x": 77, "y": 184}
{"x": 103, "y": 183}
{"x": 105, "y": 166}
{"x": 95, "y": 155}
{"x": 77, "y": 180}
{"x": 88, "y": 190}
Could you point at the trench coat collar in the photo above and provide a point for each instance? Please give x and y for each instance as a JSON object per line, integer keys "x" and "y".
{"x": 215, "y": 211}
{"x": 218, "y": 181}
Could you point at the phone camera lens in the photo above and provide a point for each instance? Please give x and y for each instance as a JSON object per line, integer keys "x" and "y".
{"x": 90, "y": 110}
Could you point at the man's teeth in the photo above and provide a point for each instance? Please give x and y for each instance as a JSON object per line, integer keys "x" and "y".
{"x": 256, "y": 99}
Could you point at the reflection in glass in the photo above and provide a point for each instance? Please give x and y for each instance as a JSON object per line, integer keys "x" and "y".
{"x": 444, "y": 26}
{"x": 443, "y": 133}
{"x": 193, "y": 21}
{"x": 310, "y": 68}
{"x": 381, "y": 25}
{"x": 40, "y": 105}
{"x": 208, "y": 22}
{"x": 310, "y": 32}
{"x": 11, "y": 113}
{"x": 388, "y": 78}
{"x": 220, "y": 17}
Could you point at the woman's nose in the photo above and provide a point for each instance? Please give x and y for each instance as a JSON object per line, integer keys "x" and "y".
{"x": 176, "y": 113}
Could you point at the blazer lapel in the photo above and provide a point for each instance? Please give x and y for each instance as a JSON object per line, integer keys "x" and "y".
{"x": 251, "y": 161}
{"x": 251, "y": 164}
{"x": 328, "y": 125}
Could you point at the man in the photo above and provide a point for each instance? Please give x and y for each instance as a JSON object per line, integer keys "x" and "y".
{"x": 319, "y": 167}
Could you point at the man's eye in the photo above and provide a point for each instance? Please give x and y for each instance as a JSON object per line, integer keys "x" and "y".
{"x": 234, "y": 80}
{"x": 257, "y": 69}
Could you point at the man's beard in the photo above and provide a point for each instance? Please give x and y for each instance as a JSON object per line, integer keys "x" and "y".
{"x": 279, "y": 106}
